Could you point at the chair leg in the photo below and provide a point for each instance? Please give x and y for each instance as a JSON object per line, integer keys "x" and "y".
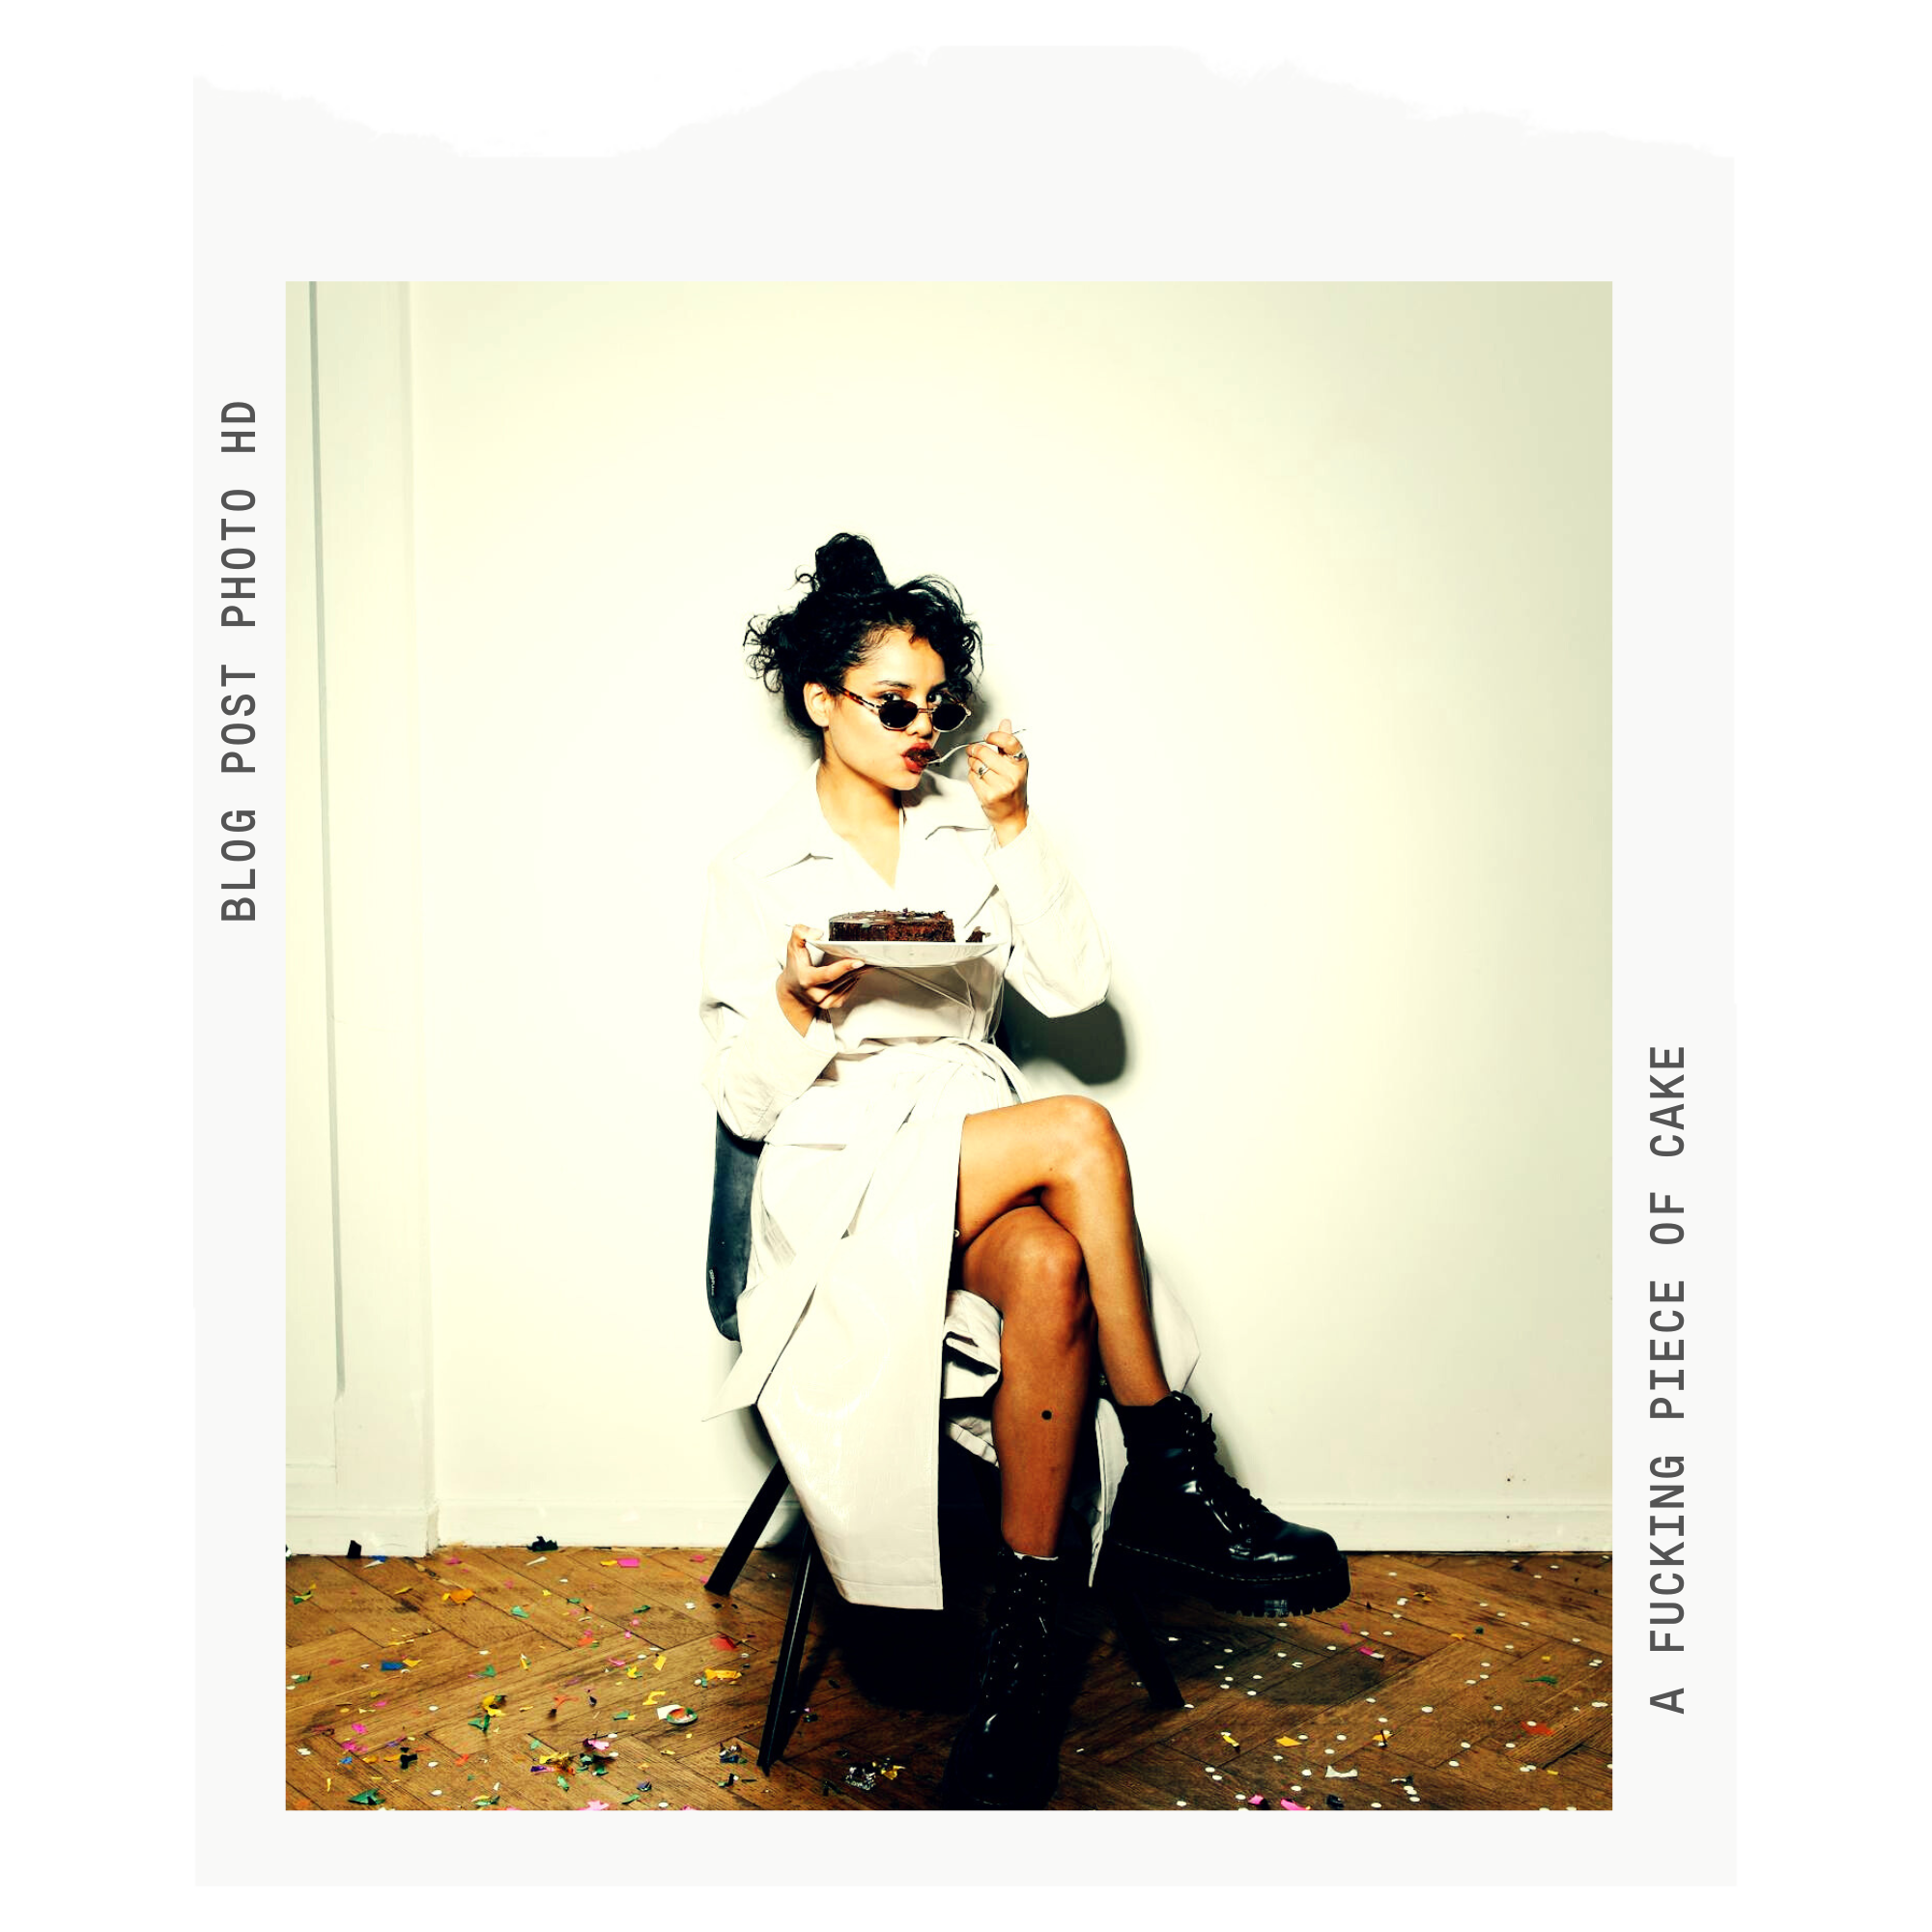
{"x": 748, "y": 1532}
{"x": 1139, "y": 1638}
{"x": 779, "y": 1711}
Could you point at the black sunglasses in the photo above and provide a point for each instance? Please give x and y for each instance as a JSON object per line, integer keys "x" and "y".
{"x": 896, "y": 714}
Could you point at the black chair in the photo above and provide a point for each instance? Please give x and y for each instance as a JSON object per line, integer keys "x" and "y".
{"x": 736, "y": 1169}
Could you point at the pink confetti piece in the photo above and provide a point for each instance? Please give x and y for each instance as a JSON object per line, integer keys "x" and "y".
{"x": 627, "y": 1563}
{"x": 1288, "y": 1804}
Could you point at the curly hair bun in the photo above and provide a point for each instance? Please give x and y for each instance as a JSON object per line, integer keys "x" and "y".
{"x": 848, "y": 566}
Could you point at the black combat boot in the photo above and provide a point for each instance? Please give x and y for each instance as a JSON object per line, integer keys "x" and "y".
{"x": 1006, "y": 1755}
{"x": 1184, "y": 1519}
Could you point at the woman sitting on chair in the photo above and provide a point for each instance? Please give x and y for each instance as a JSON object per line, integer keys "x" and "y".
{"x": 931, "y": 1249}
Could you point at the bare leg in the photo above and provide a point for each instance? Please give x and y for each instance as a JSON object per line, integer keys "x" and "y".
{"x": 1064, "y": 1155}
{"x": 1030, "y": 1269}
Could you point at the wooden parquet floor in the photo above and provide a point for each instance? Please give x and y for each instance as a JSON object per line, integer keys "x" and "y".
{"x": 471, "y": 1679}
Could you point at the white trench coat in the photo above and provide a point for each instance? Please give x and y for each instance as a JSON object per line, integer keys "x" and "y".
{"x": 853, "y": 1350}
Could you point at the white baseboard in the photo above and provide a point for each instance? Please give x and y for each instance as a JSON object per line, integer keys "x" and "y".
{"x": 595, "y": 1525}
{"x": 1567, "y": 1526}
{"x": 1582, "y": 1527}
{"x": 327, "y": 1529}
{"x": 321, "y": 1527}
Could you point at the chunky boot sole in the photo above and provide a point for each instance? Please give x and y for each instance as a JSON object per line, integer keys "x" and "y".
{"x": 1320, "y": 1587}
{"x": 981, "y": 1776}
{"x": 959, "y": 1794}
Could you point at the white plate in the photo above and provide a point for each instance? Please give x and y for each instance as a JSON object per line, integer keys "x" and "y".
{"x": 903, "y": 952}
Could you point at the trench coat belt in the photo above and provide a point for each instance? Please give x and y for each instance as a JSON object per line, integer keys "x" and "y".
{"x": 784, "y": 1296}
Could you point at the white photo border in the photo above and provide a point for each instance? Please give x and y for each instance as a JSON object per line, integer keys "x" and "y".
{"x": 1657, "y": 228}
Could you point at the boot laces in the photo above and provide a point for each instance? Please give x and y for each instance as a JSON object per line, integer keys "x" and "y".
{"x": 1015, "y": 1658}
{"x": 1022, "y": 1605}
{"x": 1240, "y": 1506}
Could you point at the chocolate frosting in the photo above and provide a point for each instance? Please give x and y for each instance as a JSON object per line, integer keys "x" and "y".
{"x": 852, "y": 924}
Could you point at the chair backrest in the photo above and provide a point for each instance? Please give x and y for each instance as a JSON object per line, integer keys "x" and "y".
{"x": 734, "y": 1170}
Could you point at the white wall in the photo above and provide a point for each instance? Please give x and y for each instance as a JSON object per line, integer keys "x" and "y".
{"x": 361, "y": 1383}
{"x": 1303, "y": 595}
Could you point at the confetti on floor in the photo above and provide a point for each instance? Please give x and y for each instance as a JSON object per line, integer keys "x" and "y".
{"x": 391, "y": 1757}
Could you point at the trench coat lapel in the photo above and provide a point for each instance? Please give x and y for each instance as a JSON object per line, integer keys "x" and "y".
{"x": 940, "y": 859}
{"x": 793, "y": 828}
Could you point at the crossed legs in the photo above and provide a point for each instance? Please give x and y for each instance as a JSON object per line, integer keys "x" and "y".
{"x": 1046, "y": 1235}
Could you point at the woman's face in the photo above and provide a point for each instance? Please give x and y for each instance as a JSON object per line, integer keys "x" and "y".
{"x": 898, "y": 665}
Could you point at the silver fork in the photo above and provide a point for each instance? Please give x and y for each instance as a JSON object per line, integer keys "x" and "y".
{"x": 1019, "y": 731}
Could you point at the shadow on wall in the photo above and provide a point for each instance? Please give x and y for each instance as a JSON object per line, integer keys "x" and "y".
{"x": 1091, "y": 1046}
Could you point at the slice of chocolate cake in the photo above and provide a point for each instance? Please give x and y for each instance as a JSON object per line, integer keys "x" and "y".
{"x": 936, "y": 927}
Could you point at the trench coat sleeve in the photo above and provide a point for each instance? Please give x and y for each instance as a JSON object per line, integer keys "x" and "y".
{"x": 1060, "y": 961}
{"x": 756, "y": 1063}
